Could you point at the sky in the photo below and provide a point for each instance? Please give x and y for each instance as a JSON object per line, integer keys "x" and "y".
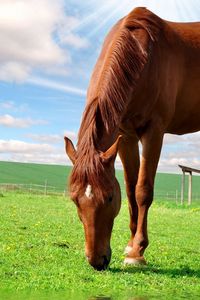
{"x": 48, "y": 51}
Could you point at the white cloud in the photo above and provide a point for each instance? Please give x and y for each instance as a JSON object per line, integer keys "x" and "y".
{"x": 170, "y": 139}
{"x": 15, "y": 150}
{"x": 75, "y": 41}
{"x": 180, "y": 150}
{"x": 177, "y": 150}
{"x": 192, "y": 138}
{"x": 10, "y": 121}
{"x": 48, "y": 158}
{"x": 14, "y": 71}
{"x": 67, "y": 36}
{"x": 47, "y": 138}
{"x": 27, "y": 33}
{"x": 171, "y": 162}
{"x": 52, "y": 138}
{"x": 7, "y": 105}
{"x": 12, "y": 106}
{"x": 15, "y": 146}
{"x": 56, "y": 85}
{"x": 71, "y": 135}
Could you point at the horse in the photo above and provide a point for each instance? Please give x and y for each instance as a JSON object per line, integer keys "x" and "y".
{"x": 146, "y": 83}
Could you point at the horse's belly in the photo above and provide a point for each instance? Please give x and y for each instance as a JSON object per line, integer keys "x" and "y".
{"x": 185, "y": 121}
{"x": 186, "y": 118}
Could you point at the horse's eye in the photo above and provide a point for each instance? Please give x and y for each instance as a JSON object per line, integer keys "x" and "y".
{"x": 110, "y": 199}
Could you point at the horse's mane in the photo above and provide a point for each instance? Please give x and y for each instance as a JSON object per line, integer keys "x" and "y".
{"x": 122, "y": 68}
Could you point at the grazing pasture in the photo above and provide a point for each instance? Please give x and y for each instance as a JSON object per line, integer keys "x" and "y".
{"x": 14, "y": 172}
{"x": 42, "y": 247}
{"x": 57, "y": 176}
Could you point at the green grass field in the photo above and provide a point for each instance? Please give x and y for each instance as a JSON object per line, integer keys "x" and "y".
{"x": 57, "y": 176}
{"x": 42, "y": 249}
{"x": 12, "y": 172}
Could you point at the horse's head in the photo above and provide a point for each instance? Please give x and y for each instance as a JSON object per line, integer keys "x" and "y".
{"x": 98, "y": 202}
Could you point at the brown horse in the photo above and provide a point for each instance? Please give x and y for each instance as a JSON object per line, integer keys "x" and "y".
{"x": 146, "y": 83}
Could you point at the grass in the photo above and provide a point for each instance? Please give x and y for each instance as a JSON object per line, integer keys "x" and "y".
{"x": 13, "y": 172}
{"x": 42, "y": 249}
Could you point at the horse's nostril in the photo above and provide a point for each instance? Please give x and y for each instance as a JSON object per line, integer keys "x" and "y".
{"x": 100, "y": 267}
{"x": 99, "y": 263}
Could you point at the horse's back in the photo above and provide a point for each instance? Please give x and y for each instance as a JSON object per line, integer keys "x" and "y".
{"x": 175, "y": 57}
{"x": 189, "y": 33}
{"x": 187, "y": 103}
{"x": 167, "y": 57}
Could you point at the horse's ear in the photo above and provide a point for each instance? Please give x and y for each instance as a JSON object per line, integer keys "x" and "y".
{"x": 111, "y": 153}
{"x": 70, "y": 150}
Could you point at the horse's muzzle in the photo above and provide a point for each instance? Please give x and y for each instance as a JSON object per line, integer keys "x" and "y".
{"x": 100, "y": 263}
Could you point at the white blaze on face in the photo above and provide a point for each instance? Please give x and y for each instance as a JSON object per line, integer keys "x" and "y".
{"x": 88, "y": 191}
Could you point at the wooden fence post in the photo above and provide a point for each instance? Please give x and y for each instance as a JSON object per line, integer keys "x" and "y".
{"x": 183, "y": 187}
{"x": 190, "y": 189}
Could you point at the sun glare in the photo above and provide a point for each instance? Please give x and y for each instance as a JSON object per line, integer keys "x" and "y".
{"x": 106, "y": 12}
{"x": 98, "y": 17}
{"x": 114, "y": 10}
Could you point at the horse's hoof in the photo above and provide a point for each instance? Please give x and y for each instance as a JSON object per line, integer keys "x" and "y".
{"x": 127, "y": 250}
{"x": 135, "y": 261}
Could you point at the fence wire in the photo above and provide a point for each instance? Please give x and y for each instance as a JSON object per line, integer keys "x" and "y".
{"x": 46, "y": 189}
{"x": 31, "y": 188}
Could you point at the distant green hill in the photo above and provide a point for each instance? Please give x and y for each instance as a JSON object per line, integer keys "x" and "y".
{"x": 14, "y": 172}
{"x": 57, "y": 176}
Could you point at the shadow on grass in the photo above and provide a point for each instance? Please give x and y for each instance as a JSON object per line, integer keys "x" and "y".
{"x": 110, "y": 298}
{"x": 184, "y": 271}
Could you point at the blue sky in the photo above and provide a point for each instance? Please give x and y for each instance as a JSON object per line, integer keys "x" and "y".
{"x": 48, "y": 51}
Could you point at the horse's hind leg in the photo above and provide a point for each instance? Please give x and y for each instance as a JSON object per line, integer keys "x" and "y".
{"x": 152, "y": 142}
{"x": 129, "y": 154}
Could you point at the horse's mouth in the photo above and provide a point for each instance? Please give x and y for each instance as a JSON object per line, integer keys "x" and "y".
{"x": 100, "y": 266}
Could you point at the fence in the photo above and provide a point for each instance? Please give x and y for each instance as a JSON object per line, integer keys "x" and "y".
{"x": 45, "y": 189}
{"x": 171, "y": 195}
{"x": 175, "y": 196}
{"x": 31, "y": 188}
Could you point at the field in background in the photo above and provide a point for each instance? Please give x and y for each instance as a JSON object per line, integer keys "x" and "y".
{"x": 12, "y": 172}
{"x": 42, "y": 248}
{"x": 55, "y": 177}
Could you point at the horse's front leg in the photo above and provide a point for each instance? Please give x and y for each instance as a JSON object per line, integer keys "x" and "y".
{"x": 151, "y": 142}
{"x": 129, "y": 154}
